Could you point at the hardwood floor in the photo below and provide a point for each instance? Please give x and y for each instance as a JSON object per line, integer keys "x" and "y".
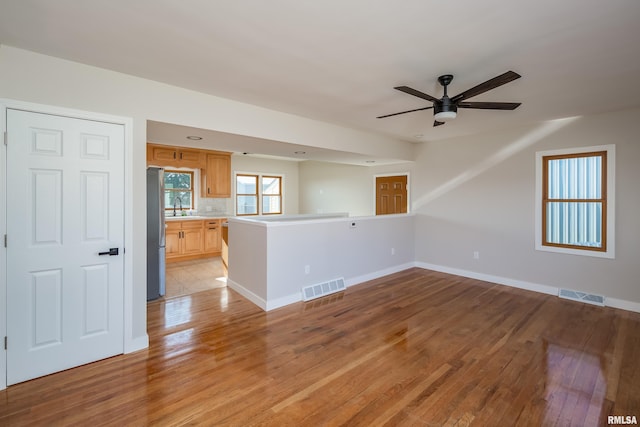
{"x": 417, "y": 348}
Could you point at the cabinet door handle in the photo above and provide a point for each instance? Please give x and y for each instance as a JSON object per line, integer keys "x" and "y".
{"x": 180, "y": 156}
{"x": 212, "y": 228}
{"x": 208, "y": 190}
{"x": 174, "y": 155}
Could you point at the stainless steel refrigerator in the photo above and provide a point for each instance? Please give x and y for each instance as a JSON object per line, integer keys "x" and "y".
{"x": 155, "y": 234}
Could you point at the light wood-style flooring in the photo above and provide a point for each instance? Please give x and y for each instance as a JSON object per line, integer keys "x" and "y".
{"x": 189, "y": 277}
{"x": 417, "y": 348}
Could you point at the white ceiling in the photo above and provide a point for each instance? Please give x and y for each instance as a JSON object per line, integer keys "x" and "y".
{"x": 338, "y": 60}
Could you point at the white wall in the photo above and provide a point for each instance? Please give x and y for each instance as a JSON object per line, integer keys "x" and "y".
{"x": 477, "y": 194}
{"x": 331, "y": 248}
{"x": 330, "y": 187}
{"x": 31, "y": 77}
{"x": 287, "y": 168}
{"x": 248, "y": 260}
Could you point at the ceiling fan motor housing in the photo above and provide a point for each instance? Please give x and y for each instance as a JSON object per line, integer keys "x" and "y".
{"x": 445, "y": 105}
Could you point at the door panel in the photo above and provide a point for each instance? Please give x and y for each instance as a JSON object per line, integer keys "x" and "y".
{"x": 45, "y": 316}
{"x": 44, "y": 207}
{"x": 94, "y": 204}
{"x": 65, "y": 205}
{"x": 96, "y": 298}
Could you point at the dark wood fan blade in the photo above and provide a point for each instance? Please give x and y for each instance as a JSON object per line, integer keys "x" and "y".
{"x": 502, "y": 79}
{"x": 437, "y": 123}
{"x": 403, "y": 112}
{"x": 490, "y": 105}
{"x": 410, "y": 91}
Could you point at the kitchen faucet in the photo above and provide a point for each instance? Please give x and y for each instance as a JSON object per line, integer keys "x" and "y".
{"x": 177, "y": 199}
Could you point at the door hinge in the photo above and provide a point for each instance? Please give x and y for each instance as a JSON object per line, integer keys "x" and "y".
{"x": 5, "y": 240}
{"x": 5, "y": 343}
{"x": 5, "y": 137}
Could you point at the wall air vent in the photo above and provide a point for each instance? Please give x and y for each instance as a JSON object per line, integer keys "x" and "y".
{"x": 582, "y": 297}
{"x": 323, "y": 289}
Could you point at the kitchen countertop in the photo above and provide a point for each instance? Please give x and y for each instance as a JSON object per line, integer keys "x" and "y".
{"x": 194, "y": 217}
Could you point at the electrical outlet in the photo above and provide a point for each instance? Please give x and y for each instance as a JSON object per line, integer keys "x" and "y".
{"x": 393, "y": 251}
{"x": 476, "y": 255}
{"x": 307, "y": 269}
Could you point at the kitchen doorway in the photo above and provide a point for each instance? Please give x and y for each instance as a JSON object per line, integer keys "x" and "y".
{"x": 188, "y": 277}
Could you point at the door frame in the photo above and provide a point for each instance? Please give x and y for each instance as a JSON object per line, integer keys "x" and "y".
{"x": 130, "y": 343}
{"x": 382, "y": 175}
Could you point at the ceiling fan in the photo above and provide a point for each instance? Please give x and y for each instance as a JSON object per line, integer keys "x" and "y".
{"x": 446, "y": 108}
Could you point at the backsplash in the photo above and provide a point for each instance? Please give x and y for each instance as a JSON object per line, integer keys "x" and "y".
{"x": 213, "y": 207}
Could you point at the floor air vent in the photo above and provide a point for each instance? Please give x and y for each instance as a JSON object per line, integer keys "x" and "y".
{"x": 582, "y": 297}
{"x": 322, "y": 289}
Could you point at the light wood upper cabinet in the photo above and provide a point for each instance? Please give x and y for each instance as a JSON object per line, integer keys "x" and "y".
{"x": 216, "y": 177}
{"x": 180, "y": 157}
{"x": 190, "y": 158}
{"x": 215, "y": 166}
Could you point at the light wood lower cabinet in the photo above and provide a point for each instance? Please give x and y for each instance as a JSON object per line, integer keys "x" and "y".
{"x": 173, "y": 236}
{"x": 192, "y": 239}
{"x": 212, "y": 236}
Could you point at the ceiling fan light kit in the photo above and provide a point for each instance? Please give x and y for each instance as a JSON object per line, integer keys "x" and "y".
{"x": 445, "y": 116}
{"x": 446, "y": 109}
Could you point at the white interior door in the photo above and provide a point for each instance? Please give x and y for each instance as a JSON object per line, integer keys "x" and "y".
{"x": 65, "y": 205}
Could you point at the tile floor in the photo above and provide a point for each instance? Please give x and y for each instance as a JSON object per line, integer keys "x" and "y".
{"x": 188, "y": 277}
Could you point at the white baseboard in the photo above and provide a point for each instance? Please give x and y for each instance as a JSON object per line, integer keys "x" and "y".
{"x": 282, "y": 301}
{"x": 514, "y": 283}
{"x": 377, "y": 274}
{"x": 135, "y": 344}
{"x": 297, "y": 297}
{"x": 260, "y": 302}
{"x": 529, "y": 286}
{"x": 622, "y": 304}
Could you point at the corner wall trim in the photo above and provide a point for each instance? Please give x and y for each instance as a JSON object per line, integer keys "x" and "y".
{"x": 136, "y": 344}
{"x": 247, "y": 294}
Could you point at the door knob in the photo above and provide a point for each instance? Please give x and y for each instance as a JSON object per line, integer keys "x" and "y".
{"x": 110, "y": 252}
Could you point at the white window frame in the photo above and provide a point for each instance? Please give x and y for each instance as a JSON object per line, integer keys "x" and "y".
{"x": 260, "y": 175}
{"x": 610, "y": 220}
